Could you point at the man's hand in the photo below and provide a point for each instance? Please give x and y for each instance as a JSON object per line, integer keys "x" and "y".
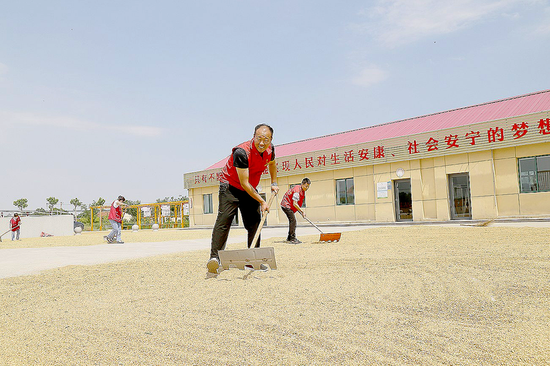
{"x": 264, "y": 207}
{"x": 274, "y": 189}
{"x": 303, "y": 214}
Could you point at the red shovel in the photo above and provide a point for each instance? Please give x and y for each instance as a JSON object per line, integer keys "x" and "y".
{"x": 328, "y": 237}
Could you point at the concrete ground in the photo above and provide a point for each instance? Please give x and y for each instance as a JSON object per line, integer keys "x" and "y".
{"x": 27, "y": 261}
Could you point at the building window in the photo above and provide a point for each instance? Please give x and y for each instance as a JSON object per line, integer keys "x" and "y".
{"x": 299, "y": 184}
{"x": 534, "y": 174}
{"x": 207, "y": 202}
{"x": 344, "y": 192}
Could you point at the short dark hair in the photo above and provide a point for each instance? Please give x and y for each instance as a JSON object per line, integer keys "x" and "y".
{"x": 306, "y": 180}
{"x": 263, "y": 125}
{"x": 121, "y": 198}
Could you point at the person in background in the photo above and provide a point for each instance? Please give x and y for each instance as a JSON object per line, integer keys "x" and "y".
{"x": 238, "y": 181}
{"x": 292, "y": 202}
{"x": 115, "y": 218}
{"x": 15, "y": 224}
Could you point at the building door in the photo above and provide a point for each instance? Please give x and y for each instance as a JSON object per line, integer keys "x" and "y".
{"x": 403, "y": 200}
{"x": 461, "y": 204}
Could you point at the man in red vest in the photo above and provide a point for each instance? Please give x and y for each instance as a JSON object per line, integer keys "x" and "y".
{"x": 292, "y": 202}
{"x": 15, "y": 224}
{"x": 238, "y": 181}
{"x": 115, "y": 218}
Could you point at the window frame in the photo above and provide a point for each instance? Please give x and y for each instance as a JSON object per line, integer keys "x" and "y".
{"x": 533, "y": 176}
{"x": 207, "y": 204}
{"x": 348, "y": 184}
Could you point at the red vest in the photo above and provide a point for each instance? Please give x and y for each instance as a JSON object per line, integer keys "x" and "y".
{"x": 256, "y": 165}
{"x": 115, "y": 213}
{"x": 288, "y": 202}
{"x": 15, "y": 223}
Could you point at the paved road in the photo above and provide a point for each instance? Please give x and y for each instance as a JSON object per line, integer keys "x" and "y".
{"x": 26, "y": 261}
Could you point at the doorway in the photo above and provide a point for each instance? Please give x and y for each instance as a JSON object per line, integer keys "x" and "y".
{"x": 460, "y": 200}
{"x": 403, "y": 200}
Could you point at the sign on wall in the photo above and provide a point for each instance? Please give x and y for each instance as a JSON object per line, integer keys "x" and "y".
{"x": 382, "y": 189}
{"x": 517, "y": 131}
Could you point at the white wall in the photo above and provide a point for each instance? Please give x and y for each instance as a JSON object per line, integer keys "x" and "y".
{"x": 32, "y": 226}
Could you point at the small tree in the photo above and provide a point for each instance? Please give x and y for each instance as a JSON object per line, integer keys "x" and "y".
{"x": 40, "y": 211}
{"x": 100, "y": 202}
{"x": 132, "y": 211}
{"x": 76, "y": 203}
{"x": 171, "y": 199}
{"x": 21, "y": 203}
{"x": 84, "y": 215}
{"x": 52, "y": 201}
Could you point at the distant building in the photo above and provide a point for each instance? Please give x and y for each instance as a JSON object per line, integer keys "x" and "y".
{"x": 490, "y": 160}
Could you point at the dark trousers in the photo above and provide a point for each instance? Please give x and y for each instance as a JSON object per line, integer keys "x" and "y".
{"x": 291, "y": 223}
{"x": 231, "y": 199}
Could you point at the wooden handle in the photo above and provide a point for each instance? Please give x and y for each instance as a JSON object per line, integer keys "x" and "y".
{"x": 264, "y": 216}
{"x": 313, "y": 224}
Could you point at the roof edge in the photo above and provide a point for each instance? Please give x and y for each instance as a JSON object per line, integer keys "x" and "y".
{"x": 417, "y": 117}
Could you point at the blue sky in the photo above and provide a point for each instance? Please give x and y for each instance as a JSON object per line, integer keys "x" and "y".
{"x": 101, "y": 98}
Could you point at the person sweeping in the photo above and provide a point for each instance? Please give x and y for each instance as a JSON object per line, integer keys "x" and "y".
{"x": 238, "y": 181}
{"x": 115, "y": 218}
{"x": 15, "y": 224}
{"x": 292, "y": 202}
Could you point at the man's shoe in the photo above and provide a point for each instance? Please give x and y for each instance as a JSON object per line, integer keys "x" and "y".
{"x": 213, "y": 265}
{"x": 295, "y": 241}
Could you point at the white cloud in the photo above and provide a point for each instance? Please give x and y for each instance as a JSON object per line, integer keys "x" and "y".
{"x": 31, "y": 119}
{"x": 369, "y": 76}
{"x": 397, "y": 22}
{"x": 544, "y": 28}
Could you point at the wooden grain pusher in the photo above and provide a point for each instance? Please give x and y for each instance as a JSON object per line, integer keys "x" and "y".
{"x": 328, "y": 237}
{"x": 251, "y": 258}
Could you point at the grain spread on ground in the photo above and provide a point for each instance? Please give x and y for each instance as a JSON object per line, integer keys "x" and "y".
{"x": 418, "y": 295}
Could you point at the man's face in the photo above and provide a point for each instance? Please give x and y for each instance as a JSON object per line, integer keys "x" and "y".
{"x": 262, "y": 139}
{"x": 305, "y": 186}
